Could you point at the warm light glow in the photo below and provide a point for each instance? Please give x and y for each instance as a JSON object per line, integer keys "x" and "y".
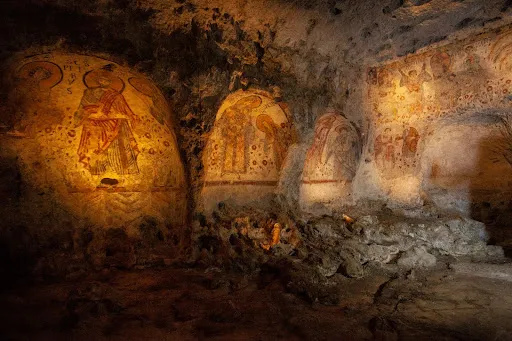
{"x": 98, "y": 137}
{"x": 411, "y": 98}
{"x": 246, "y": 148}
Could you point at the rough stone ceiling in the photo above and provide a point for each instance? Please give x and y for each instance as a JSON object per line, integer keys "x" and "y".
{"x": 316, "y": 45}
{"x": 350, "y": 30}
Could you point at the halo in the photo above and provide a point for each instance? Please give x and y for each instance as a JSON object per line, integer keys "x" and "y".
{"x": 252, "y": 101}
{"x": 142, "y": 85}
{"x": 91, "y": 79}
{"x": 501, "y": 49}
{"x": 261, "y": 119}
{"x": 55, "y": 73}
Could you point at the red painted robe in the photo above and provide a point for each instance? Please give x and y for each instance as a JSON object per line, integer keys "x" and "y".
{"x": 107, "y": 141}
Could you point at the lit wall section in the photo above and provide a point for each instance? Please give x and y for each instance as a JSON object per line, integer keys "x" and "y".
{"x": 331, "y": 162}
{"x": 246, "y": 149}
{"x": 411, "y": 99}
{"x": 94, "y": 136}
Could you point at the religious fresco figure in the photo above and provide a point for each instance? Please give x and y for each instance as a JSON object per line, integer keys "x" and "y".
{"x": 274, "y": 137}
{"x": 345, "y": 151}
{"x": 334, "y": 153}
{"x": 410, "y": 142}
{"x": 384, "y": 149}
{"x": 412, "y": 80}
{"x": 445, "y": 81}
{"x": 34, "y": 83}
{"x": 107, "y": 141}
{"x": 315, "y": 152}
{"x": 471, "y": 60}
{"x": 236, "y": 129}
{"x": 441, "y": 64}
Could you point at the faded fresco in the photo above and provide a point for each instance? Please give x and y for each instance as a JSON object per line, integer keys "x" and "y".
{"x": 334, "y": 153}
{"x": 100, "y": 136}
{"x": 331, "y": 162}
{"x": 396, "y": 150}
{"x": 453, "y": 80}
{"x": 249, "y": 142}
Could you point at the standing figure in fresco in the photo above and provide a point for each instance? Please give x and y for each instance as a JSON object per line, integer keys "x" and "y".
{"x": 410, "y": 142}
{"x": 471, "y": 60}
{"x": 413, "y": 81}
{"x": 273, "y": 136}
{"x": 35, "y": 81}
{"x": 315, "y": 152}
{"x": 385, "y": 83}
{"x": 445, "y": 85}
{"x": 345, "y": 151}
{"x": 236, "y": 128}
{"x": 385, "y": 150}
{"x": 107, "y": 141}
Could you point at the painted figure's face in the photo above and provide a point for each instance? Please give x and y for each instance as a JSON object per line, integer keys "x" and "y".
{"x": 104, "y": 82}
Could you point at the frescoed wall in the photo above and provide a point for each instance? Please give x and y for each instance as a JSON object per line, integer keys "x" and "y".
{"x": 246, "y": 148}
{"x": 412, "y": 98}
{"x": 96, "y": 136}
{"x": 331, "y": 161}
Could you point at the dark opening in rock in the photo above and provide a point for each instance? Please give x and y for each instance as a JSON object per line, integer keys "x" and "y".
{"x": 109, "y": 181}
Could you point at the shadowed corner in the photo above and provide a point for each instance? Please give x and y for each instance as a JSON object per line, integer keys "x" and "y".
{"x": 491, "y": 186}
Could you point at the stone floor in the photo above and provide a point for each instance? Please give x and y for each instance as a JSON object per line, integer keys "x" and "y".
{"x": 452, "y": 302}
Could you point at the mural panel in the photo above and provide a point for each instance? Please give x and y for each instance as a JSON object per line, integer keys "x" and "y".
{"x": 334, "y": 154}
{"x": 247, "y": 146}
{"x": 98, "y": 134}
{"x": 406, "y": 95}
{"x": 471, "y": 74}
{"x": 331, "y": 161}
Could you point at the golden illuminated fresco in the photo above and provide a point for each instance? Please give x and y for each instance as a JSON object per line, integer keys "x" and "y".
{"x": 32, "y": 95}
{"x": 107, "y": 141}
{"x": 248, "y": 144}
{"x": 100, "y": 134}
{"x": 331, "y": 161}
{"x": 153, "y": 98}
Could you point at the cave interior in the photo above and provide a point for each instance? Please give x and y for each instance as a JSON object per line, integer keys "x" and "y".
{"x": 256, "y": 170}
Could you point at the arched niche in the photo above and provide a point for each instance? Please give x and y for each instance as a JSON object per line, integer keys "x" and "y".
{"x": 466, "y": 166}
{"x": 94, "y": 139}
{"x": 246, "y": 149}
{"x": 331, "y": 162}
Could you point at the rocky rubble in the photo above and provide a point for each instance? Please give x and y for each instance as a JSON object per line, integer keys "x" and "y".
{"x": 405, "y": 242}
{"x": 331, "y": 245}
